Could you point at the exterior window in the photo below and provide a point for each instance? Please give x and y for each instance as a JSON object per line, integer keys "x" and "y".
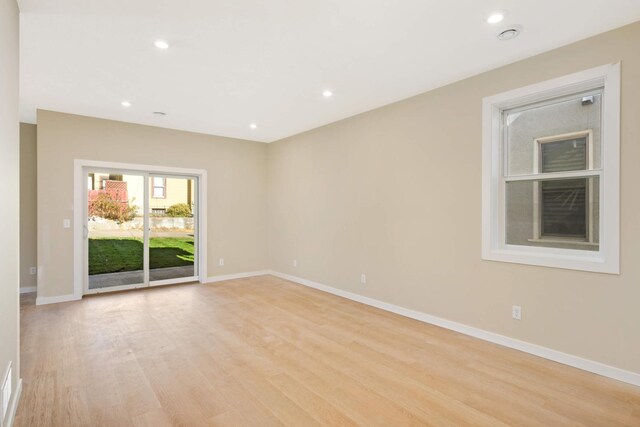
{"x": 547, "y": 150}
{"x": 565, "y": 210}
{"x": 159, "y": 187}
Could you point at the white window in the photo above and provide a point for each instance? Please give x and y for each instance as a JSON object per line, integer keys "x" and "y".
{"x": 159, "y": 187}
{"x": 564, "y": 210}
{"x": 551, "y": 173}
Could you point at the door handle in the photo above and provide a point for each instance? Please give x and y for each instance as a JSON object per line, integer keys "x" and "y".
{"x": 85, "y": 231}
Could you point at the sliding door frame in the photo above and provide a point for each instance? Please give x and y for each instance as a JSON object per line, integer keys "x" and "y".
{"x": 85, "y": 233}
{"x": 80, "y": 264}
{"x": 196, "y": 236}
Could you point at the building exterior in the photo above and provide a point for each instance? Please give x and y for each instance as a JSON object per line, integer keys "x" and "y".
{"x": 163, "y": 191}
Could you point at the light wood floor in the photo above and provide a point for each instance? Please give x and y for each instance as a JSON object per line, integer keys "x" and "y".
{"x": 265, "y": 352}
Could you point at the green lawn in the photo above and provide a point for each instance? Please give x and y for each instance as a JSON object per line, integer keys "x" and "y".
{"x": 111, "y": 255}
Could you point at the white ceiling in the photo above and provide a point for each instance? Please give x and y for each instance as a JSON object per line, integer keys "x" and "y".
{"x": 233, "y": 62}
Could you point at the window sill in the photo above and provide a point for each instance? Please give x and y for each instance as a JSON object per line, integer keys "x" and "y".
{"x": 563, "y": 242}
{"x": 570, "y": 259}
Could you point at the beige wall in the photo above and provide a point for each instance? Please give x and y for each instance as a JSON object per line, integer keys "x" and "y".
{"x": 395, "y": 193}
{"x": 28, "y": 205}
{"x": 236, "y": 188}
{"x": 9, "y": 192}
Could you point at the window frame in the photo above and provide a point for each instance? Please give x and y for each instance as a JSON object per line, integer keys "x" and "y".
{"x": 537, "y": 192}
{"x": 494, "y": 247}
{"x": 154, "y": 186}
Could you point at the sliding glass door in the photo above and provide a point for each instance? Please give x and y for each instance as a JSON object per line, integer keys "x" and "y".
{"x": 140, "y": 230}
{"x": 172, "y": 226}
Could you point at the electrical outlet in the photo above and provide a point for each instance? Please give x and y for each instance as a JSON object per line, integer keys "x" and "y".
{"x": 363, "y": 279}
{"x": 516, "y": 312}
{"x": 66, "y": 223}
{"x": 221, "y": 261}
{"x": 295, "y": 262}
{"x": 33, "y": 271}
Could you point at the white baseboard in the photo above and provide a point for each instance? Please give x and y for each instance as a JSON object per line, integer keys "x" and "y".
{"x": 537, "y": 350}
{"x": 236, "y": 276}
{"x": 14, "y": 406}
{"x": 57, "y": 299}
{"x": 28, "y": 289}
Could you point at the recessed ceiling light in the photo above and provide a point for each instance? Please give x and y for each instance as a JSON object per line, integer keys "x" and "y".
{"x": 125, "y": 104}
{"x": 327, "y": 93}
{"x": 161, "y": 44}
{"x": 508, "y": 34}
{"x": 495, "y": 17}
{"x": 253, "y": 126}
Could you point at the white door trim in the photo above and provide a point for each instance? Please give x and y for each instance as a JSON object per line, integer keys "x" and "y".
{"x": 79, "y": 208}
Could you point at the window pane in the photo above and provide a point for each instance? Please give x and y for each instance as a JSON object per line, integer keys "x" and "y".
{"x": 561, "y": 156}
{"x": 158, "y": 191}
{"x": 560, "y": 213}
{"x": 523, "y": 126}
{"x": 158, "y": 181}
{"x": 563, "y": 208}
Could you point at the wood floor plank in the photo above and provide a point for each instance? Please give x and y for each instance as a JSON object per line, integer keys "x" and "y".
{"x": 263, "y": 351}
{"x": 325, "y": 413}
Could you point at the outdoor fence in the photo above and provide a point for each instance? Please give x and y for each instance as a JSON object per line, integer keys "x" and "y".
{"x": 155, "y": 223}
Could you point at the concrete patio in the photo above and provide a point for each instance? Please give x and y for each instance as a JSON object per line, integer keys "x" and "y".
{"x": 108, "y": 280}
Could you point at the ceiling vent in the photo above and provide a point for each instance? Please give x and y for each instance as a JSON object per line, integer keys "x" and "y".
{"x": 509, "y": 33}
